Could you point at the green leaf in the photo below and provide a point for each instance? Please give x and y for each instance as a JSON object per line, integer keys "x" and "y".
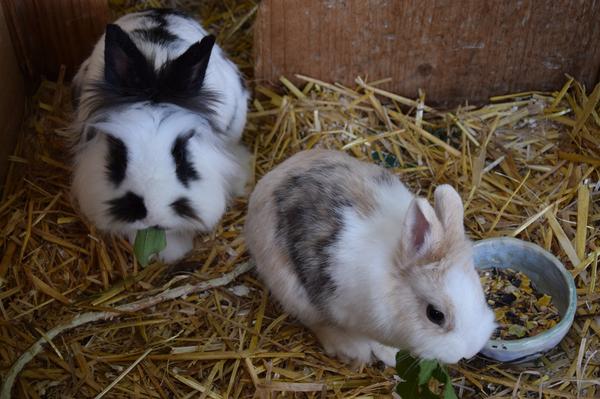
{"x": 427, "y": 394}
{"x": 426, "y": 368}
{"x": 517, "y": 330}
{"x": 385, "y": 159}
{"x": 449, "y": 391}
{"x": 440, "y": 133}
{"x": 408, "y": 389}
{"x": 148, "y": 242}
{"x": 391, "y": 161}
{"x": 407, "y": 369}
{"x": 375, "y": 156}
{"x": 416, "y": 375}
{"x": 441, "y": 374}
{"x": 406, "y": 365}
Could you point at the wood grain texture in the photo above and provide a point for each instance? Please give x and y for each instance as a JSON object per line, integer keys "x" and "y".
{"x": 455, "y": 51}
{"x": 12, "y": 98}
{"x": 48, "y": 33}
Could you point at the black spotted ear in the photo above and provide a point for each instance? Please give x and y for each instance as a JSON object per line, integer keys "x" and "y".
{"x": 124, "y": 64}
{"x": 186, "y": 72}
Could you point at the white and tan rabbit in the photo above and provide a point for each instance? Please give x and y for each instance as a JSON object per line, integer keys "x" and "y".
{"x": 367, "y": 266}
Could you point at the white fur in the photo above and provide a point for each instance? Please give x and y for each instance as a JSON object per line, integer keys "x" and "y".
{"x": 380, "y": 297}
{"x": 148, "y": 136}
{"x": 367, "y": 286}
{"x": 149, "y": 131}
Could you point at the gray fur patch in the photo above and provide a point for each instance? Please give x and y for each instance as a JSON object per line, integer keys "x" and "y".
{"x": 385, "y": 178}
{"x": 309, "y": 218}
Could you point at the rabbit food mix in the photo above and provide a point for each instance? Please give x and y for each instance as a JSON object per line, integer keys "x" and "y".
{"x": 521, "y": 311}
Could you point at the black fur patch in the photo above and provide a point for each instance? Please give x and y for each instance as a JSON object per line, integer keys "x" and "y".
{"x": 128, "y": 208}
{"x": 90, "y": 133}
{"x": 309, "y": 217}
{"x": 116, "y": 158}
{"x": 75, "y": 94}
{"x": 159, "y": 14}
{"x": 157, "y": 35}
{"x": 183, "y": 208}
{"x": 124, "y": 64}
{"x": 243, "y": 82}
{"x": 183, "y": 167}
{"x": 129, "y": 77}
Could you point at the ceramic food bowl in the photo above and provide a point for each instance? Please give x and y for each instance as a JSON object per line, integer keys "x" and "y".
{"x": 548, "y": 276}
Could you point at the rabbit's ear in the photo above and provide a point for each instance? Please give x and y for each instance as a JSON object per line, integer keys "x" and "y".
{"x": 124, "y": 64}
{"x": 423, "y": 230}
{"x": 449, "y": 209}
{"x": 185, "y": 74}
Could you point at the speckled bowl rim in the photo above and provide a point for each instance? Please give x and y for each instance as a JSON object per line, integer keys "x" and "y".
{"x": 532, "y": 347}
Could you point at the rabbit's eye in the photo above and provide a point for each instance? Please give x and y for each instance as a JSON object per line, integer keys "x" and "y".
{"x": 434, "y": 315}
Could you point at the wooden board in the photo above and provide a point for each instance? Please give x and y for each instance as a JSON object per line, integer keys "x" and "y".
{"x": 12, "y": 98}
{"x": 455, "y": 51}
{"x": 48, "y": 33}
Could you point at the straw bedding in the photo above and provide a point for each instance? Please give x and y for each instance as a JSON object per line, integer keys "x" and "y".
{"x": 527, "y": 165}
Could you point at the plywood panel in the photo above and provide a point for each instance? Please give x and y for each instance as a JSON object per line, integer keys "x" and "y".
{"x": 12, "y": 98}
{"x": 48, "y": 33}
{"x": 455, "y": 50}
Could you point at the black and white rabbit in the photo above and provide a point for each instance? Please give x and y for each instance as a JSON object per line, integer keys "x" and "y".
{"x": 159, "y": 112}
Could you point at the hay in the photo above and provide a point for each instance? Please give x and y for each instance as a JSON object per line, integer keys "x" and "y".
{"x": 527, "y": 165}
